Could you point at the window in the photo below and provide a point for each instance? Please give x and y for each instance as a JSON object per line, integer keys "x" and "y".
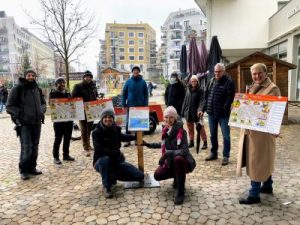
{"x": 200, "y": 22}
{"x": 131, "y": 50}
{"x": 142, "y": 67}
{"x": 131, "y": 42}
{"x": 122, "y": 57}
{"x": 141, "y": 49}
{"x": 141, "y": 42}
{"x": 121, "y": 34}
{"x": 122, "y": 67}
{"x": 186, "y": 23}
{"x": 140, "y": 35}
{"x": 131, "y": 34}
{"x": 131, "y": 57}
{"x": 112, "y": 34}
{"x": 122, "y": 49}
{"x": 121, "y": 42}
{"x": 141, "y": 57}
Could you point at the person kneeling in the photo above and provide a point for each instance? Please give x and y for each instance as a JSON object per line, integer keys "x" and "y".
{"x": 108, "y": 160}
{"x": 176, "y": 159}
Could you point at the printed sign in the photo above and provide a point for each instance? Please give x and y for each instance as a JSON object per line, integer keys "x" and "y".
{"x": 138, "y": 119}
{"x": 258, "y": 112}
{"x": 94, "y": 109}
{"x": 66, "y": 109}
{"x": 120, "y": 117}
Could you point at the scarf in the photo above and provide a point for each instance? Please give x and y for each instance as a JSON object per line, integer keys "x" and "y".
{"x": 165, "y": 133}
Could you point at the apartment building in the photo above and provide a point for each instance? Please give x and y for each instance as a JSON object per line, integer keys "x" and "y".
{"x": 127, "y": 45}
{"x": 176, "y": 31}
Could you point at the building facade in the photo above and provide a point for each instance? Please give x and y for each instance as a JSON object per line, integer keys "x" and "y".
{"x": 176, "y": 31}
{"x": 128, "y": 45}
{"x": 274, "y": 30}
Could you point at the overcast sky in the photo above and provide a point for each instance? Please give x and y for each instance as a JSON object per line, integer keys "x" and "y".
{"x": 153, "y": 12}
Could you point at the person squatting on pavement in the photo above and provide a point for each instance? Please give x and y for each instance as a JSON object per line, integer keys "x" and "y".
{"x": 194, "y": 97}
{"x": 26, "y": 105}
{"x": 108, "y": 160}
{"x": 257, "y": 149}
{"x": 62, "y": 130}
{"x": 88, "y": 91}
{"x": 176, "y": 159}
{"x": 135, "y": 93}
{"x": 219, "y": 96}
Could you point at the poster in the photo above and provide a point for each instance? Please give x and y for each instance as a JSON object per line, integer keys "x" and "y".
{"x": 258, "y": 112}
{"x": 138, "y": 119}
{"x": 66, "y": 109}
{"x": 120, "y": 116}
{"x": 94, "y": 109}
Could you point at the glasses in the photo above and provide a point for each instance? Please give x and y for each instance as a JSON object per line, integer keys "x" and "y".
{"x": 218, "y": 71}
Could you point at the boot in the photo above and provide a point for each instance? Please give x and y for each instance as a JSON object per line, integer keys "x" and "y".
{"x": 179, "y": 198}
{"x": 191, "y": 145}
{"x": 204, "y": 146}
{"x": 174, "y": 185}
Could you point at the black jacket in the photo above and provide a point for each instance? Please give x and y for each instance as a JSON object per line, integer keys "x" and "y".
{"x": 59, "y": 94}
{"x": 87, "y": 91}
{"x": 3, "y": 94}
{"x": 219, "y": 95}
{"x": 107, "y": 142}
{"x": 192, "y": 100}
{"x": 174, "y": 96}
{"x": 26, "y": 103}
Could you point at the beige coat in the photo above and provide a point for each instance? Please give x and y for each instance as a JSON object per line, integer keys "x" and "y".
{"x": 259, "y": 146}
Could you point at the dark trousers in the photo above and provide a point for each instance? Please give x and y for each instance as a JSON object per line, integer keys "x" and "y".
{"x": 29, "y": 138}
{"x": 86, "y": 129}
{"x": 62, "y": 130}
{"x": 112, "y": 171}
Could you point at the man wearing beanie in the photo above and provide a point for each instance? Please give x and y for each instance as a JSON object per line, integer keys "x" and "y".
{"x": 108, "y": 160}
{"x": 62, "y": 130}
{"x": 135, "y": 93}
{"x": 26, "y": 105}
{"x": 88, "y": 91}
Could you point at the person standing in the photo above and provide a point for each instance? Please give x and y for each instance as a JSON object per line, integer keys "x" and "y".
{"x": 26, "y": 105}
{"x": 150, "y": 88}
{"x": 135, "y": 93}
{"x": 109, "y": 161}
{"x": 62, "y": 130}
{"x": 193, "y": 99}
{"x": 3, "y": 97}
{"x": 257, "y": 149}
{"x": 174, "y": 94}
{"x": 88, "y": 91}
{"x": 219, "y": 95}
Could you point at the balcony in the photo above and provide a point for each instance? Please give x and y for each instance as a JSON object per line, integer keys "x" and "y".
{"x": 152, "y": 55}
{"x": 176, "y": 47}
{"x": 176, "y": 37}
{"x": 176, "y": 27}
{"x": 174, "y": 57}
{"x": 163, "y": 29}
{"x": 164, "y": 37}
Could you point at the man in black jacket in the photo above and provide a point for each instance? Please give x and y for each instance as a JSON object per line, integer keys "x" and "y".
{"x": 109, "y": 161}
{"x": 219, "y": 95}
{"x": 61, "y": 129}
{"x": 88, "y": 91}
{"x": 27, "y": 106}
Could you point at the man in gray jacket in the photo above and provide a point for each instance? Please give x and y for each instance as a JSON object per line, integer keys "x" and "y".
{"x": 26, "y": 105}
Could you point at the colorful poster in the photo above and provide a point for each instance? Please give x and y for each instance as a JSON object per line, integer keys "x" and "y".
{"x": 120, "y": 117}
{"x": 138, "y": 119}
{"x": 258, "y": 112}
{"x": 94, "y": 109}
{"x": 66, "y": 109}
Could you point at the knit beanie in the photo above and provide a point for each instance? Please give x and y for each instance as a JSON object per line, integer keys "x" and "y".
{"x": 58, "y": 80}
{"x": 87, "y": 73}
{"x": 107, "y": 112}
{"x": 29, "y": 71}
{"x": 194, "y": 77}
{"x": 171, "y": 111}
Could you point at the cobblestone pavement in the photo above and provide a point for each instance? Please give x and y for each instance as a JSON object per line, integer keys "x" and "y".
{"x": 72, "y": 193}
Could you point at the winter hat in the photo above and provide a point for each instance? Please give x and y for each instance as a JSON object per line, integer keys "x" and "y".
{"x": 171, "y": 111}
{"x": 87, "y": 73}
{"x": 108, "y": 112}
{"x": 194, "y": 77}
{"x": 29, "y": 71}
{"x": 136, "y": 68}
{"x": 59, "y": 79}
{"x": 174, "y": 74}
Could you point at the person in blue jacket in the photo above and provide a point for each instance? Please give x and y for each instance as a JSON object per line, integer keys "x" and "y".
{"x": 135, "y": 93}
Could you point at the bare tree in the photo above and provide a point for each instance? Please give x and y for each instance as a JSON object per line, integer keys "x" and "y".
{"x": 67, "y": 26}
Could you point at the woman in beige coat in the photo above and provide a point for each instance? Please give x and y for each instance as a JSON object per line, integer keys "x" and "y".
{"x": 257, "y": 149}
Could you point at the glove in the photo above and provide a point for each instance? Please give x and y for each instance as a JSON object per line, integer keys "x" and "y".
{"x": 145, "y": 143}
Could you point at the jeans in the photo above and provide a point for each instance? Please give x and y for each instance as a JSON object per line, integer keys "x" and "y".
{"x": 2, "y": 106}
{"x": 29, "y": 138}
{"x": 213, "y": 127}
{"x": 62, "y": 130}
{"x": 255, "y": 187}
{"x": 111, "y": 172}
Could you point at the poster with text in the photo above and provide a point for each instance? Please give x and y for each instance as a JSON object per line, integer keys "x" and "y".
{"x": 138, "y": 119}
{"x": 66, "y": 109}
{"x": 94, "y": 109}
{"x": 258, "y": 112}
{"x": 120, "y": 117}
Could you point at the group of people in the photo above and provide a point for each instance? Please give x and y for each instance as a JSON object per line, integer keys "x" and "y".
{"x": 27, "y": 106}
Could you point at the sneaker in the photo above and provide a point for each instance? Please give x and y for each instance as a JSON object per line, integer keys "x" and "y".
{"x": 35, "y": 172}
{"x": 266, "y": 190}
{"x": 249, "y": 201}
{"x": 204, "y": 146}
{"x": 25, "y": 176}
{"x": 225, "y": 161}
{"x": 68, "y": 158}
{"x": 127, "y": 144}
{"x": 57, "y": 161}
{"x": 107, "y": 192}
{"x": 211, "y": 157}
{"x": 191, "y": 145}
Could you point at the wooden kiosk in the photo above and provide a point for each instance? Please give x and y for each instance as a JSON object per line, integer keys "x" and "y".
{"x": 277, "y": 72}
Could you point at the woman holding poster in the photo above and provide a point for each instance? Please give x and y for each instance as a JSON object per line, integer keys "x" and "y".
{"x": 257, "y": 149}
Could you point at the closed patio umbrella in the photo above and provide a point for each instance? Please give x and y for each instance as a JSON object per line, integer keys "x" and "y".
{"x": 193, "y": 57}
{"x": 183, "y": 62}
{"x": 214, "y": 56}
